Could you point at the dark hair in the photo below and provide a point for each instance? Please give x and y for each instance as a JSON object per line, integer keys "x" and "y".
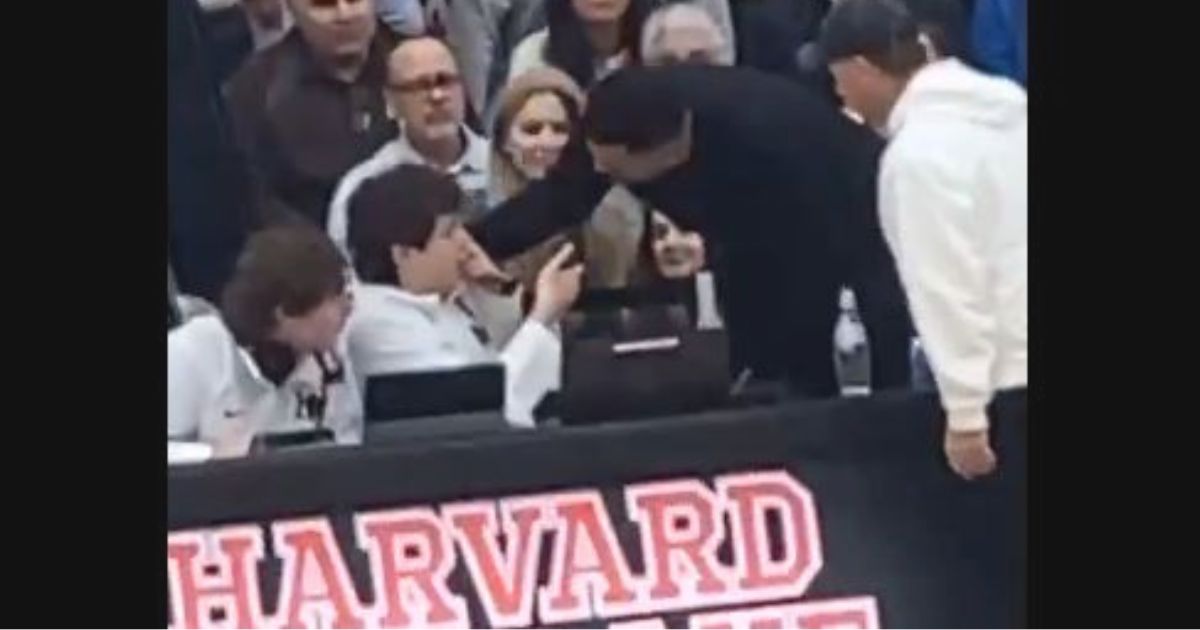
{"x": 291, "y": 268}
{"x": 882, "y": 31}
{"x": 638, "y": 108}
{"x": 397, "y": 207}
{"x": 567, "y": 46}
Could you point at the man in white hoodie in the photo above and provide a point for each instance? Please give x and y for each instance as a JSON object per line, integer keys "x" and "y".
{"x": 953, "y": 205}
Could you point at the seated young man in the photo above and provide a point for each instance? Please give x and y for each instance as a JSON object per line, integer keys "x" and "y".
{"x": 418, "y": 271}
{"x": 271, "y": 360}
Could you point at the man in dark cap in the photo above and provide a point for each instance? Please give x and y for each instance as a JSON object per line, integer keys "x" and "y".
{"x": 953, "y": 193}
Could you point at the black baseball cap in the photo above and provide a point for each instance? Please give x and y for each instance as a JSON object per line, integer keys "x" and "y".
{"x": 861, "y": 27}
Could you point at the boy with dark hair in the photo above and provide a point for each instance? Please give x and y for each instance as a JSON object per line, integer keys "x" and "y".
{"x": 414, "y": 307}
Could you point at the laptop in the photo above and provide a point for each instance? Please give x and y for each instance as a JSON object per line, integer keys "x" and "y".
{"x": 636, "y": 356}
{"x": 412, "y": 406}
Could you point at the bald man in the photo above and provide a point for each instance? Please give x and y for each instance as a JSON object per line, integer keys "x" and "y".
{"x": 424, "y": 90}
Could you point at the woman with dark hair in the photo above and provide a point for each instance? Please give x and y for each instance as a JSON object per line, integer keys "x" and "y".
{"x": 587, "y": 39}
{"x": 269, "y": 361}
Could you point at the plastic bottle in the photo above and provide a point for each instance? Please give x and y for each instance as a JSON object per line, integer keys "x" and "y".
{"x": 851, "y": 352}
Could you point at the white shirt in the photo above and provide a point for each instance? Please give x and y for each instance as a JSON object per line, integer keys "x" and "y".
{"x": 953, "y": 203}
{"x": 393, "y": 331}
{"x": 470, "y": 172}
{"x": 217, "y": 395}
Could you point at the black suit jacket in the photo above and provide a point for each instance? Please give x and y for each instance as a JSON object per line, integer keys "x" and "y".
{"x": 781, "y": 182}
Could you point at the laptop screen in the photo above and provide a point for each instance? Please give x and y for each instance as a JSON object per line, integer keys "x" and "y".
{"x": 434, "y": 393}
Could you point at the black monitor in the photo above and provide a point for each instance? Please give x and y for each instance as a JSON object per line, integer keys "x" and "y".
{"x": 435, "y": 403}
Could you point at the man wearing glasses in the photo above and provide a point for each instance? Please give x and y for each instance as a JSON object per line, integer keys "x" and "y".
{"x": 308, "y": 108}
{"x": 424, "y": 90}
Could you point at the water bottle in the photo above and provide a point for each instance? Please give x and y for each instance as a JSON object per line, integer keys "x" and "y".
{"x": 851, "y": 353}
{"x": 707, "y": 315}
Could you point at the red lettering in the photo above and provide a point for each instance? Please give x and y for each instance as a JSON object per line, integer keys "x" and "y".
{"x": 315, "y": 589}
{"x": 678, "y": 522}
{"x": 197, "y": 599}
{"x": 650, "y": 623}
{"x": 750, "y": 497}
{"x": 852, "y": 612}
{"x": 411, "y": 556}
{"x": 505, "y": 579}
{"x": 586, "y": 554}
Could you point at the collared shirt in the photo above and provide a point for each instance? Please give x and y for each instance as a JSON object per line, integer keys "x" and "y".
{"x": 393, "y": 331}
{"x": 470, "y": 171}
{"x": 300, "y": 128}
{"x": 217, "y": 395}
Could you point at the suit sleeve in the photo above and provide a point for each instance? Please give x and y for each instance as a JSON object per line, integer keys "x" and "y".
{"x": 564, "y": 199}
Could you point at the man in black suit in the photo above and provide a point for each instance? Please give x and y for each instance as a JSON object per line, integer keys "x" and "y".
{"x": 772, "y": 174}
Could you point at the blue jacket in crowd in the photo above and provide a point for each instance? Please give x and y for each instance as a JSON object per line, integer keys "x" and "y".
{"x": 998, "y": 34}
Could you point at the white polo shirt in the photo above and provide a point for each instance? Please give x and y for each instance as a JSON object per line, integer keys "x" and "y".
{"x": 217, "y": 395}
{"x": 470, "y": 172}
{"x": 393, "y": 331}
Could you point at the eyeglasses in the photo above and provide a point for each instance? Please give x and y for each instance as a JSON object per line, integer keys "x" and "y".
{"x": 428, "y": 83}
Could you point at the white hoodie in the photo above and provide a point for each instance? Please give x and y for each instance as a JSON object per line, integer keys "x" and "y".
{"x": 953, "y": 203}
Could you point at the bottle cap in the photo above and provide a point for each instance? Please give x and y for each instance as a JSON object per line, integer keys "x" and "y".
{"x": 846, "y": 300}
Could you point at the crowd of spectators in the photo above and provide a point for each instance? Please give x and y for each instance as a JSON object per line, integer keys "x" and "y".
{"x": 367, "y": 187}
